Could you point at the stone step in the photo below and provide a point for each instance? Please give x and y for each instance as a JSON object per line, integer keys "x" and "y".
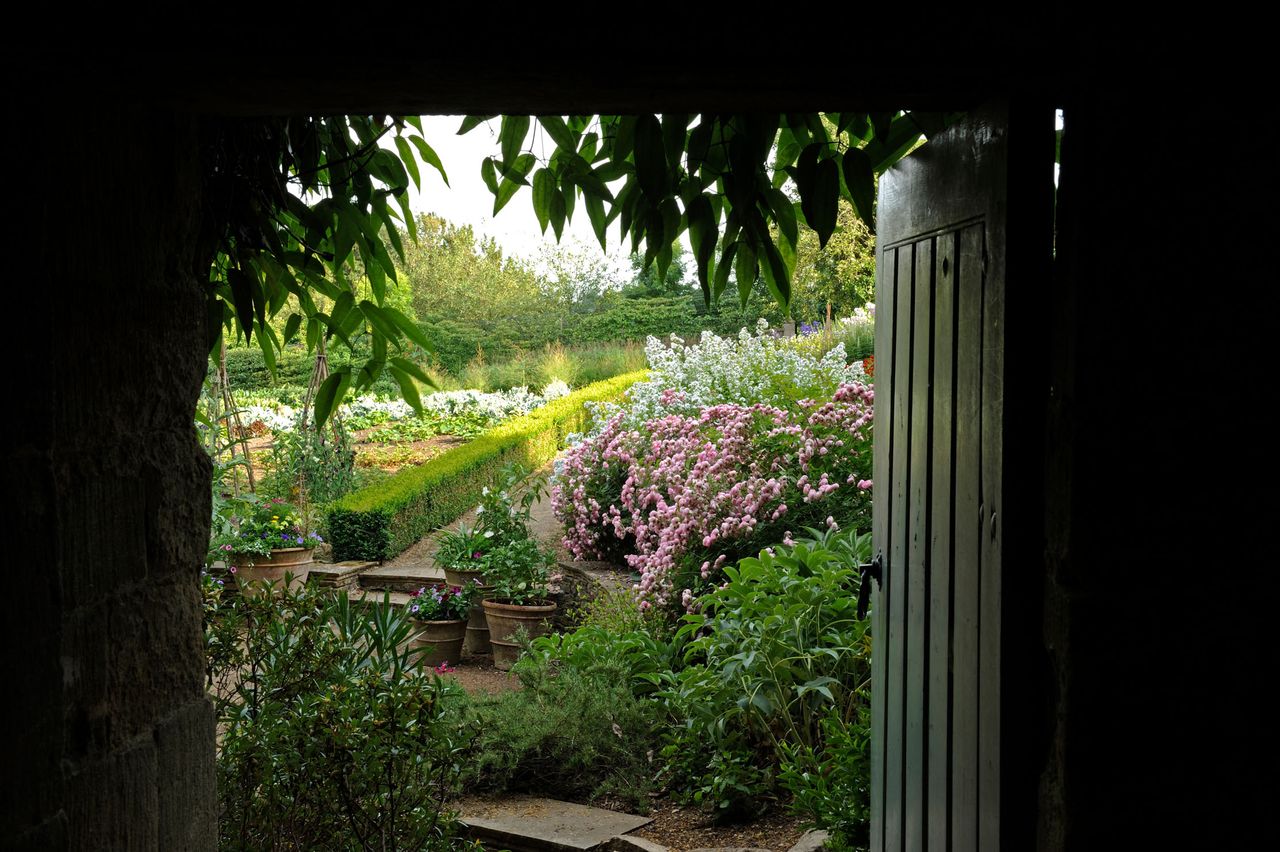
{"x": 528, "y": 824}
{"x": 405, "y": 578}
{"x": 339, "y": 575}
{"x": 376, "y": 596}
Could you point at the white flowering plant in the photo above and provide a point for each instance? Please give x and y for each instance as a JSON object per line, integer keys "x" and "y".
{"x": 754, "y": 367}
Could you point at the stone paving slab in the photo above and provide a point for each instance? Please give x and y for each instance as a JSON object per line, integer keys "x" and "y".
{"x": 526, "y": 824}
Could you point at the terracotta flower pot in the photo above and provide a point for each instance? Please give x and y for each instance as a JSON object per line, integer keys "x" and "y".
{"x": 289, "y": 560}
{"x": 459, "y": 577}
{"x": 477, "y": 628}
{"x": 504, "y": 619}
{"x": 439, "y": 641}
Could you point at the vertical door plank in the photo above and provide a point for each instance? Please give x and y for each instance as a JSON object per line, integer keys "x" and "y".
{"x": 991, "y": 620}
{"x": 940, "y": 561}
{"x": 896, "y": 567}
{"x": 918, "y": 547}
{"x": 886, "y": 273}
{"x": 966, "y": 541}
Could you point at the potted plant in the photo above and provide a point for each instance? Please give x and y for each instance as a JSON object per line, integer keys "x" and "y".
{"x": 518, "y": 573}
{"x": 268, "y": 544}
{"x": 441, "y": 616}
{"x": 461, "y": 554}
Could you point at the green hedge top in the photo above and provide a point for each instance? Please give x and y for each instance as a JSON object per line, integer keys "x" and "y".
{"x": 386, "y": 517}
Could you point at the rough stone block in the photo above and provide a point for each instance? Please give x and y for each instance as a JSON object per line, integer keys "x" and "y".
{"x": 112, "y": 803}
{"x": 188, "y": 796}
{"x": 813, "y": 840}
{"x": 627, "y": 843}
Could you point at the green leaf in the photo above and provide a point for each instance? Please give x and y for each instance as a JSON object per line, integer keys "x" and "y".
{"x": 650, "y": 157}
{"x": 777, "y": 276}
{"x": 559, "y": 132}
{"x": 242, "y": 288}
{"x": 268, "y": 351}
{"x": 412, "y": 369}
{"x": 330, "y": 394}
{"x": 544, "y": 190}
{"x": 826, "y": 200}
{"x": 674, "y": 127}
{"x": 429, "y": 156}
{"x": 860, "y": 184}
{"x": 747, "y": 269}
{"x": 595, "y": 212}
{"x": 558, "y": 213}
{"x": 407, "y": 388}
{"x": 721, "y": 278}
{"x": 511, "y": 136}
{"x": 381, "y": 323}
{"x": 473, "y": 121}
{"x": 291, "y": 326}
{"x": 409, "y": 328}
{"x": 489, "y": 174}
{"x": 702, "y": 238}
{"x": 625, "y": 137}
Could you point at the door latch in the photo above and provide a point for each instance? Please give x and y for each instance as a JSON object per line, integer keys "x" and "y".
{"x": 870, "y": 571}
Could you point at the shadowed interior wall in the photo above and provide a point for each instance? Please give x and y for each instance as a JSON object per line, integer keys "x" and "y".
{"x": 1155, "y": 604}
{"x": 104, "y": 660}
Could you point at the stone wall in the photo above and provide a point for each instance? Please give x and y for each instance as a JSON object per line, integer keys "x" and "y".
{"x": 104, "y": 658}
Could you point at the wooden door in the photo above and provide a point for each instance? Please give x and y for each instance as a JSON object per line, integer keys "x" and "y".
{"x": 964, "y": 248}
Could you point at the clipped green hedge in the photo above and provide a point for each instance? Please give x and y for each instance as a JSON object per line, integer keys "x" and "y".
{"x": 383, "y": 519}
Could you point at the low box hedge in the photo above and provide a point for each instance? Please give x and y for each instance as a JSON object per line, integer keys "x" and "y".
{"x": 382, "y": 520}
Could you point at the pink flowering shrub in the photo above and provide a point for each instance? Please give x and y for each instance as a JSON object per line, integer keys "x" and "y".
{"x": 682, "y": 494}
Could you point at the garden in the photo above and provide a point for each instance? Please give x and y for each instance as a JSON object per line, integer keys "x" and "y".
{"x": 725, "y": 673}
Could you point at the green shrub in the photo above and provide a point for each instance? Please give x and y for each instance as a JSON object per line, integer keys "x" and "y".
{"x": 576, "y": 730}
{"x": 384, "y": 519}
{"x": 329, "y": 737}
{"x": 778, "y": 671}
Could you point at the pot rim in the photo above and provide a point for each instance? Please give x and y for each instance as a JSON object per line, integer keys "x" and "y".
{"x": 497, "y": 604}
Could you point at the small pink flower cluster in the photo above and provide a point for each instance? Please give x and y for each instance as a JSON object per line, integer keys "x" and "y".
{"x": 681, "y": 494}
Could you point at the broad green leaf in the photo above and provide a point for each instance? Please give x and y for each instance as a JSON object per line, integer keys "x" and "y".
{"x": 595, "y": 213}
{"x": 726, "y": 264}
{"x": 702, "y": 238}
{"x": 330, "y": 394}
{"x": 700, "y": 142}
{"x": 650, "y": 157}
{"x": 407, "y": 388}
{"x": 489, "y": 174}
{"x": 291, "y": 326}
{"x": 674, "y": 129}
{"x": 860, "y": 184}
{"x": 544, "y": 189}
{"x": 268, "y": 351}
{"x": 381, "y": 323}
{"x": 826, "y": 200}
{"x": 412, "y": 369}
{"x": 242, "y": 288}
{"x": 511, "y": 136}
{"x": 777, "y": 276}
{"x": 558, "y": 131}
{"x": 409, "y": 328}
{"x": 429, "y": 156}
{"x": 625, "y": 137}
{"x": 746, "y": 268}
{"x": 473, "y": 121}
{"x": 558, "y": 212}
